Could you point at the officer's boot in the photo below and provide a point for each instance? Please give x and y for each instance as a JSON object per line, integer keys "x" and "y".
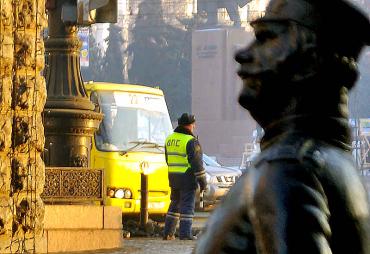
{"x": 186, "y": 222}
{"x": 170, "y": 226}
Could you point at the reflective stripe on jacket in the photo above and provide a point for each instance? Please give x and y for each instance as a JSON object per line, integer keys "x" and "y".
{"x": 177, "y": 158}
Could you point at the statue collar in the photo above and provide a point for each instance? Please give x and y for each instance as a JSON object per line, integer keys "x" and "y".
{"x": 331, "y": 130}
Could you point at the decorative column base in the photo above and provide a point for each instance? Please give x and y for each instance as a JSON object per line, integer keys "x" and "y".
{"x": 68, "y": 134}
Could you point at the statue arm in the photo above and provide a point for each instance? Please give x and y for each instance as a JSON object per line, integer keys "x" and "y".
{"x": 228, "y": 230}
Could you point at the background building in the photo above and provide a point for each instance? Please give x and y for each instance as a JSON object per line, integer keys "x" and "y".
{"x": 224, "y": 127}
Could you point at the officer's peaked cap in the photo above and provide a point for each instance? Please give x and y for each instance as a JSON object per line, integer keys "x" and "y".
{"x": 339, "y": 24}
{"x": 186, "y": 119}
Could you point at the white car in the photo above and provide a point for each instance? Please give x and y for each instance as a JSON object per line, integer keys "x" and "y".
{"x": 219, "y": 181}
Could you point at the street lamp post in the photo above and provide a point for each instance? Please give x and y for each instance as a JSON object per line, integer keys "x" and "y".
{"x": 69, "y": 117}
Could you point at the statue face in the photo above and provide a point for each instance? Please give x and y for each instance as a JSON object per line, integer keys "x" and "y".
{"x": 283, "y": 53}
{"x": 263, "y": 62}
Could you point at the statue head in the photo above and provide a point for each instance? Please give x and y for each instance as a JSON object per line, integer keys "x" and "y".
{"x": 304, "y": 51}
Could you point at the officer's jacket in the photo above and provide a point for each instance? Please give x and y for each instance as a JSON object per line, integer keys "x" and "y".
{"x": 184, "y": 158}
{"x": 302, "y": 195}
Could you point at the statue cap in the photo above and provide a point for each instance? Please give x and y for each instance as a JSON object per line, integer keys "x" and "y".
{"x": 340, "y": 24}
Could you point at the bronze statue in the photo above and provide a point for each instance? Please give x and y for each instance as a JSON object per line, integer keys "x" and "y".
{"x": 210, "y": 7}
{"x": 303, "y": 193}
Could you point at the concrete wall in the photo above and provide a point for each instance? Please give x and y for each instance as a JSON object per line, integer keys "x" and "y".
{"x": 222, "y": 125}
{"x": 69, "y": 228}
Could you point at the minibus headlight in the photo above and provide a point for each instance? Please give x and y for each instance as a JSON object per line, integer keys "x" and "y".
{"x": 110, "y": 193}
{"x": 119, "y": 193}
{"x": 128, "y": 194}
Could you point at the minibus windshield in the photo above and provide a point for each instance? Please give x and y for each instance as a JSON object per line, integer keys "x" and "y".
{"x": 132, "y": 121}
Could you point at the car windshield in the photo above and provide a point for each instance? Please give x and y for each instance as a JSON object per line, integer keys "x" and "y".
{"x": 210, "y": 162}
{"x": 132, "y": 121}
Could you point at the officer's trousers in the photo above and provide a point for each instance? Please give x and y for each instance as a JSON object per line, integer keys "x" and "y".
{"x": 181, "y": 207}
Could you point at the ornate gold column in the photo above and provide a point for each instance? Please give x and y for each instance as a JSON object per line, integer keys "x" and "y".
{"x": 6, "y": 118}
{"x": 22, "y": 99}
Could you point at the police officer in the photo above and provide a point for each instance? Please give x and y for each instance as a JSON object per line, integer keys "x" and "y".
{"x": 185, "y": 172}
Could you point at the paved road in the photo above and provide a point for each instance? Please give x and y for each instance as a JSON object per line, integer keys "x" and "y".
{"x": 145, "y": 245}
{"x": 155, "y": 246}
